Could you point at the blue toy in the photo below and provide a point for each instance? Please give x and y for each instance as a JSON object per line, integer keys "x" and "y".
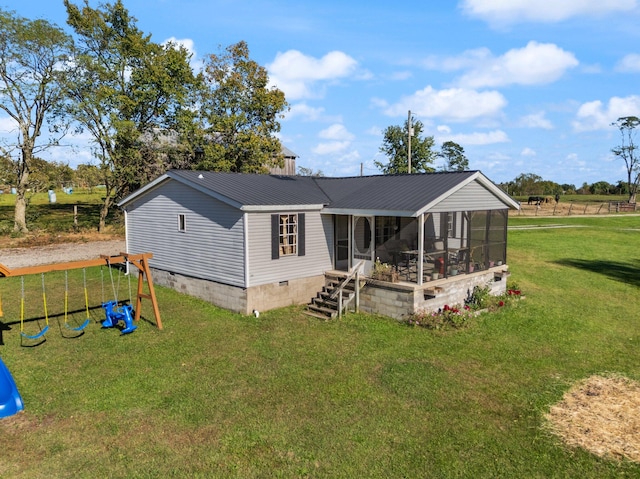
{"x": 114, "y": 314}
{"x": 10, "y": 399}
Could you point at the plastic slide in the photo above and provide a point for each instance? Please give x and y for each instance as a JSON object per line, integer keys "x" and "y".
{"x": 10, "y": 399}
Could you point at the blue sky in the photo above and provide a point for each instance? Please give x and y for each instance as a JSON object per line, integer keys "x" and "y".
{"x": 523, "y": 86}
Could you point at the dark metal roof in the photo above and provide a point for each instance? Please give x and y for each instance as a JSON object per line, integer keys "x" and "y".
{"x": 406, "y": 192}
{"x": 255, "y": 189}
{"x": 409, "y": 192}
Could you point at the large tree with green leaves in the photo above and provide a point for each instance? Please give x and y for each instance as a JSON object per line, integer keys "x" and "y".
{"x": 395, "y": 146}
{"x": 627, "y": 151}
{"x": 33, "y": 58}
{"x": 454, "y": 157}
{"x": 240, "y": 114}
{"x": 127, "y": 91}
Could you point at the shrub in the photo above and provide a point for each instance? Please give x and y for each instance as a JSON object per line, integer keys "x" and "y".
{"x": 444, "y": 318}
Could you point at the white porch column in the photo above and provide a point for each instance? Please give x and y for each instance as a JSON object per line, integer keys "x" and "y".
{"x": 420, "y": 262}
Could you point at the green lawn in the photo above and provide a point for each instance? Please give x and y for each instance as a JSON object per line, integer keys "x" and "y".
{"x": 221, "y": 395}
{"x": 59, "y": 216}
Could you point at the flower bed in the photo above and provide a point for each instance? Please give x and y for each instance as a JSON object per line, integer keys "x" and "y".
{"x": 456, "y": 317}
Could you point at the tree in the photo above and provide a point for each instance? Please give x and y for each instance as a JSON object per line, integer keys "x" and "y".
{"x": 600, "y": 188}
{"x": 88, "y": 176}
{"x": 627, "y": 151}
{"x": 33, "y": 56}
{"x": 527, "y": 184}
{"x": 584, "y": 189}
{"x": 304, "y": 171}
{"x": 621, "y": 188}
{"x": 8, "y": 171}
{"x": 126, "y": 89}
{"x": 42, "y": 174}
{"x": 454, "y": 156}
{"x": 240, "y": 114}
{"x": 395, "y": 146}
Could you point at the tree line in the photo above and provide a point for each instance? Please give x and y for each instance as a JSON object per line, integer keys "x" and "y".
{"x": 404, "y": 144}
{"x": 142, "y": 104}
{"x": 527, "y": 184}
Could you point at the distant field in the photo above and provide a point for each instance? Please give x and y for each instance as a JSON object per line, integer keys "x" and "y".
{"x": 78, "y": 196}
{"x": 579, "y": 198}
{"x": 44, "y": 217}
{"x": 570, "y": 205}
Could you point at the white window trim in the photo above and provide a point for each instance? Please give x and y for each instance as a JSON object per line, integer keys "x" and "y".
{"x": 288, "y": 248}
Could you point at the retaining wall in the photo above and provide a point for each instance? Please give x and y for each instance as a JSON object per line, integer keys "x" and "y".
{"x": 399, "y": 300}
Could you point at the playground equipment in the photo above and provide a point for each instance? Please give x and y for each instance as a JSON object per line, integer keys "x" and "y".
{"x": 140, "y": 261}
{"x": 66, "y": 301}
{"x": 10, "y": 399}
{"x": 44, "y": 330}
{"x": 114, "y": 314}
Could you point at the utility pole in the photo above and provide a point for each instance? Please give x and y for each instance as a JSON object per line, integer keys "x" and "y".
{"x": 409, "y": 143}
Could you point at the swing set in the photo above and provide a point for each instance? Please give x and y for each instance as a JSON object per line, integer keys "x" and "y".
{"x": 114, "y": 313}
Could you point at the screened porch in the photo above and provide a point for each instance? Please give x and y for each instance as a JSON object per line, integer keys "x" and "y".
{"x": 441, "y": 244}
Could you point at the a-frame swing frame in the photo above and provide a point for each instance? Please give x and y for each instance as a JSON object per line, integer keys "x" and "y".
{"x": 140, "y": 261}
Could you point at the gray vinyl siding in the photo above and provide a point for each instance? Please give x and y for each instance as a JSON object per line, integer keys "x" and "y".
{"x": 473, "y": 196}
{"x": 318, "y": 256}
{"x": 212, "y": 245}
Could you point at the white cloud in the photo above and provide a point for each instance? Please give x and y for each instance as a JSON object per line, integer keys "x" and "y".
{"x": 536, "y": 120}
{"x": 297, "y": 74}
{"x": 331, "y": 147}
{"x": 374, "y": 131}
{"x": 8, "y": 125}
{"x": 477, "y": 138}
{"x": 336, "y": 132}
{"x": 529, "y": 152}
{"x": 339, "y": 140}
{"x": 535, "y": 64}
{"x": 401, "y": 75}
{"x": 468, "y": 59}
{"x": 595, "y": 115}
{"x": 572, "y": 160}
{"x": 305, "y": 111}
{"x": 630, "y": 63}
{"x": 513, "y": 11}
{"x": 455, "y": 104}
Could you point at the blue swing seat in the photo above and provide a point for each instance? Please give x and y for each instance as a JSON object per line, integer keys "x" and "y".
{"x": 79, "y": 328}
{"x": 42, "y": 332}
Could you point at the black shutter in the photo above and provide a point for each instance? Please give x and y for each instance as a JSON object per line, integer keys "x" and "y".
{"x": 301, "y": 235}
{"x": 275, "y": 236}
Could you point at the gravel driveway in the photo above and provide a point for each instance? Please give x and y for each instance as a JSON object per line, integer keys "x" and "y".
{"x": 58, "y": 253}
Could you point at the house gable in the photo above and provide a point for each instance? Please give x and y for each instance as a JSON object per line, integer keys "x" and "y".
{"x": 471, "y": 196}
{"x": 211, "y": 244}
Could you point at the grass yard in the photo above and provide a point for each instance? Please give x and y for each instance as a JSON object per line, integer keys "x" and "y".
{"x": 51, "y": 223}
{"x": 221, "y": 395}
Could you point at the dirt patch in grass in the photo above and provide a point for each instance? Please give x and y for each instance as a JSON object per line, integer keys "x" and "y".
{"x": 39, "y": 238}
{"x": 601, "y": 415}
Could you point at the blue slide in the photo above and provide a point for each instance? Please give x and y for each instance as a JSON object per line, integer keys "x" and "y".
{"x": 10, "y": 399}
